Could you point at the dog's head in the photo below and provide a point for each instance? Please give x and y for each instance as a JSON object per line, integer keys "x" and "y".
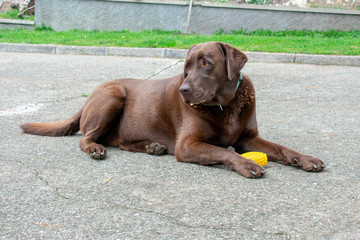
{"x": 211, "y": 73}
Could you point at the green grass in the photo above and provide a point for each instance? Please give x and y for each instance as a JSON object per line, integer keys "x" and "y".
{"x": 309, "y": 42}
{"x": 13, "y": 14}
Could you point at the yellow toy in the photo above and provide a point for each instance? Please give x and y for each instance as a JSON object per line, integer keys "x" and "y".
{"x": 258, "y": 157}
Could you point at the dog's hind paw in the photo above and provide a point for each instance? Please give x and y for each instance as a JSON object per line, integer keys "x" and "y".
{"x": 155, "y": 149}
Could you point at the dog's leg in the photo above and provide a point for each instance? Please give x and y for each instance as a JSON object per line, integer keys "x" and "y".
{"x": 279, "y": 153}
{"x": 193, "y": 151}
{"x": 149, "y": 147}
{"x": 100, "y": 112}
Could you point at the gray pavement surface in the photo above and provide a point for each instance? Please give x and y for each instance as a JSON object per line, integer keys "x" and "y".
{"x": 51, "y": 190}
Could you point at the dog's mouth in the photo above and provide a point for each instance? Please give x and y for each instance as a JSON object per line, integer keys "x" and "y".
{"x": 197, "y": 96}
{"x": 207, "y": 102}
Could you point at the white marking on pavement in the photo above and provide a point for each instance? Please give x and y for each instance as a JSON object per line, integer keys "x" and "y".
{"x": 20, "y": 109}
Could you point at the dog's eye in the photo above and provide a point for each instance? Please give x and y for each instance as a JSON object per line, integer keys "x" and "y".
{"x": 204, "y": 63}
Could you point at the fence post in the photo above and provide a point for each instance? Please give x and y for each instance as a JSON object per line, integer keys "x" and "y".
{"x": 188, "y": 17}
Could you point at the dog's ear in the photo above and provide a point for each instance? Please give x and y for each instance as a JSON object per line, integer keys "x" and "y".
{"x": 189, "y": 51}
{"x": 235, "y": 59}
{"x": 187, "y": 58}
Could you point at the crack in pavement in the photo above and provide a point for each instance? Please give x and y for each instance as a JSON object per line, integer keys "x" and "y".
{"x": 176, "y": 221}
{"x": 147, "y": 210}
{"x": 37, "y": 175}
{"x": 163, "y": 69}
{"x": 57, "y": 190}
{"x": 181, "y": 223}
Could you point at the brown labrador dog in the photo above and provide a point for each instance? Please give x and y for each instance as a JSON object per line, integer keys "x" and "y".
{"x": 195, "y": 116}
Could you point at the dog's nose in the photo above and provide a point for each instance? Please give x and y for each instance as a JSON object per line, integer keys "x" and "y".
{"x": 185, "y": 89}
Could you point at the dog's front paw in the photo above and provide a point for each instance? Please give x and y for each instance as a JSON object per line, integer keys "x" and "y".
{"x": 309, "y": 164}
{"x": 250, "y": 169}
{"x": 155, "y": 149}
{"x": 97, "y": 151}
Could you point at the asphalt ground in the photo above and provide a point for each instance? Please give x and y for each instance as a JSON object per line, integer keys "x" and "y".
{"x": 50, "y": 189}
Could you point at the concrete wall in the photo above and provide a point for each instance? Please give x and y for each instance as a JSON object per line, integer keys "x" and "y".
{"x": 171, "y": 15}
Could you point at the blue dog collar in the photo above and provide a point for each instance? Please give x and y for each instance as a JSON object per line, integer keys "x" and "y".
{"x": 239, "y": 82}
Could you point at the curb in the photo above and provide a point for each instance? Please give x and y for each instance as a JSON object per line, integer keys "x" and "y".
{"x": 178, "y": 53}
{"x": 16, "y": 23}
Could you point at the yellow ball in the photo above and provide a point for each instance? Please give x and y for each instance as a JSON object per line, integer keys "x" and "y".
{"x": 258, "y": 157}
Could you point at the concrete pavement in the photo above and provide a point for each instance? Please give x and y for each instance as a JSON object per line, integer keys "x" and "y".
{"x": 51, "y": 190}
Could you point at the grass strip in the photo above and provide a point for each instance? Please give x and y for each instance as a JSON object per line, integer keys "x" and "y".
{"x": 308, "y": 42}
{"x": 13, "y": 14}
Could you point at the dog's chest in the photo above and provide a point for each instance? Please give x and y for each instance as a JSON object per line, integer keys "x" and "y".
{"x": 230, "y": 119}
{"x": 229, "y": 128}
{"x": 228, "y": 122}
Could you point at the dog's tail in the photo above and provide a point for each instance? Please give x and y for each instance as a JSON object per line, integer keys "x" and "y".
{"x": 53, "y": 129}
